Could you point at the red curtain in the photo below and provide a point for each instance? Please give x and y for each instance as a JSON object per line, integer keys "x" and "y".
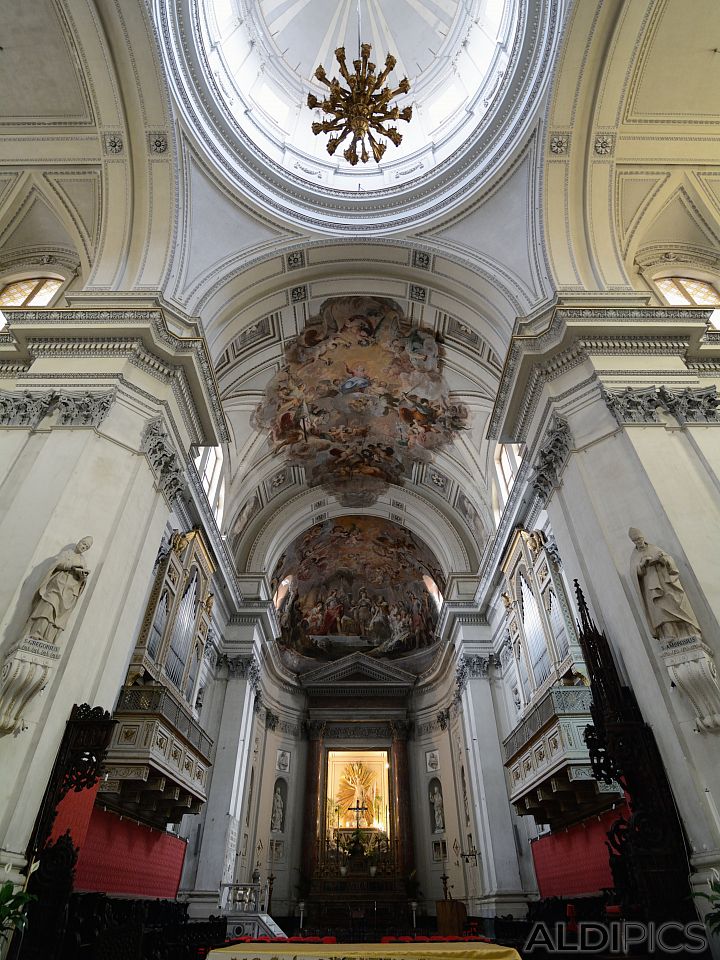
{"x": 120, "y": 856}
{"x": 574, "y": 861}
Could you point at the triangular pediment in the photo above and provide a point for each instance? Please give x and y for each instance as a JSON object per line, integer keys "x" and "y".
{"x": 358, "y": 672}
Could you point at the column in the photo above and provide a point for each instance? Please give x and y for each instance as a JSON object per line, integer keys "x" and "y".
{"x": 502, "y": 888}
{"x": 312, "y": 819}
{"x": 218, "y": 845}
{"x": 401, "y": 806}
{"x": 612, "y": 444}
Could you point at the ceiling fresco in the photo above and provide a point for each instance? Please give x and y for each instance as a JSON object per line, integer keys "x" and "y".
{"x": 360, "y": 399}
{"x": 357, "y": 583}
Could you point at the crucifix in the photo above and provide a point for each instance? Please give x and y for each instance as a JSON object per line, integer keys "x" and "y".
{"x": 357, "y": 810}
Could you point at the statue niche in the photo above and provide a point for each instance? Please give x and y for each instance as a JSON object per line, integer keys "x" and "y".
{"x": 437, "y": 806}
{"x": 279, "y": 806}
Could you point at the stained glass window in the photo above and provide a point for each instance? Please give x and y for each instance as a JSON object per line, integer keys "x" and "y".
{"x": 686, "y": 291}
{"x": 32, "y": 292}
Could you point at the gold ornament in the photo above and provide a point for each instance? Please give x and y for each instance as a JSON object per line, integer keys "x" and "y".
{"x": 361, "y": 107}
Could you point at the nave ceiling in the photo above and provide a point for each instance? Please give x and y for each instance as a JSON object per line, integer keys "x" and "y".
{"x": 118, "y": 174}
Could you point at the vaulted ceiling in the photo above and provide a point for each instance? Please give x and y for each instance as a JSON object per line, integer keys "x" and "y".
{"x": 121, "y": 167}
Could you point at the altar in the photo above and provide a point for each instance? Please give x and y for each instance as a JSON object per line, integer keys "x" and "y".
{"x": 365, "y": 951}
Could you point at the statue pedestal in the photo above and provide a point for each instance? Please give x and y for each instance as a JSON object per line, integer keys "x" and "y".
{"x": 691, "y": 666}
{"x": 25, "y": 673}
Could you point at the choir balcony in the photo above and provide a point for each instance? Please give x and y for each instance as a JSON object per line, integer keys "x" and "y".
{"x": 157, "y": 764}
{"x": 551, "y": 778}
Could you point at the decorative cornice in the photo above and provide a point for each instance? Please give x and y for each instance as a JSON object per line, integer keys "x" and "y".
{"x": 147, "y": 318}
{"x": 557, "y": 333}
{"x": 355, "y": 731}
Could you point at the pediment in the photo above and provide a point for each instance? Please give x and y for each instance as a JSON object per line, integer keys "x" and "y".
{"x": 358, "y": 673}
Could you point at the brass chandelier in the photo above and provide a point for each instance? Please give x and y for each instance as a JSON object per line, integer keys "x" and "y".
{"x": 361, "y": 107}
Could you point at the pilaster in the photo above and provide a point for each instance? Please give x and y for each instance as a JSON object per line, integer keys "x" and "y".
{"x": 217, "y": 849}
{"x": 618, "y": 411}
{"x": 501, "y": 883}
{"x": 98, "y": 411}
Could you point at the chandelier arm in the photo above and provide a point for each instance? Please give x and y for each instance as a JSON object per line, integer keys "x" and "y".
{"x": 365, "y": 104}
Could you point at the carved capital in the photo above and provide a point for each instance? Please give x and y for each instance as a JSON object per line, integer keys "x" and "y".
{"x": 315, "y": 729}
{"x": 633, "y": 405}
{"x": 83, "y": 409}
{"x": 401, "y": 729}
{"x": 691, "y": 406}
{"x": 27, "y": 409}
{"x": 552, "y": 457}
{"x": 236, "y": 666}
{"x": 22, "y": 408}
{"x": 443, "y": 718}
{"x": 163, "y": 460}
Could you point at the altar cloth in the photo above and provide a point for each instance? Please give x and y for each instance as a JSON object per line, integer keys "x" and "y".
{"x": 364, "y": 951}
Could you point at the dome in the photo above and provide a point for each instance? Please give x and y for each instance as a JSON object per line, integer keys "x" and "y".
{"x": 476, "y": 70}
{"x": 265, "y": 54}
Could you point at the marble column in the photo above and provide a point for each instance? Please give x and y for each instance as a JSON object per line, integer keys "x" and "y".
{"x": 312, "y": 818}
{"x": 217, "y": 851}
{"x": 502, "y": 887}
{"x": 401, "y": 807}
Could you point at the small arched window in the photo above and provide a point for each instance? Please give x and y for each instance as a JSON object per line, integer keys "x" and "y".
{"x": 210, "y": 466}
{"x": 30, "y": 292}
{"x": 508, "y": 459}
{"x": 688, "y": 292}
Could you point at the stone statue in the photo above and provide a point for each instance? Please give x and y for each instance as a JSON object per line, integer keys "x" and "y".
{"x": 276, "y": 821}
{"x": 666, "y": 606}
{"x": 437, "y": 801}
{"x": 59, "y": 593}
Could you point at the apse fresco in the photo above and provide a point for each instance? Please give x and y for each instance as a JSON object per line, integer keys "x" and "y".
{"x": 357, "y": 583}
{"x": 360, "y": 398}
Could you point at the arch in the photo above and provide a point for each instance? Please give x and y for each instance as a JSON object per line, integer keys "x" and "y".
{"x": 618, "y": 147}
{"x": 475, "y": 289}
{"x": 38, "y": 230}
{"x": 296, "y": 515}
